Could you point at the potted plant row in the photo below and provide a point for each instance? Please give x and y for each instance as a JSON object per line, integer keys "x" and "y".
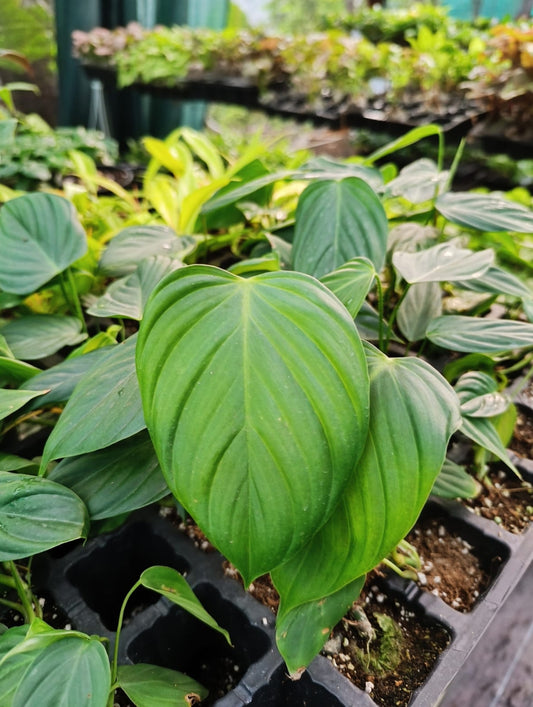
{"x": 432, "y": 76}
{"x": 263, "y": 351}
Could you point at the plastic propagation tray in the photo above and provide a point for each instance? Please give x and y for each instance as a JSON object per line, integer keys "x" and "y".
{"x": 90, "y": 582}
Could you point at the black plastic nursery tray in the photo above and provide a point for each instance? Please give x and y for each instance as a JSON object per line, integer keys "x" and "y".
{"x": 90, "y": 582}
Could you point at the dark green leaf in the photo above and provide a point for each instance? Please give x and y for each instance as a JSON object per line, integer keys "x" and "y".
{"x": 335, "y": 222}
{"x": 115, "y": 480}
{"x": 351, "y": 283}
{"x": 37, "y": 514}
{"x": 40, "y": 236}
{"x": 13, "y": 400}
{"x": 104, "y": 408}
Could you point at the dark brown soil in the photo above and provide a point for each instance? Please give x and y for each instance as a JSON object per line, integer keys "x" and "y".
{"x": 504, "y": 499}
{"x": 391, "y": 651}
{"x": 450, "y": 569}
{"x": 522, "y": 442}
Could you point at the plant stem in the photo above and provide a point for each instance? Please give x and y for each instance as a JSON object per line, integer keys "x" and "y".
{"x": 23, "y": 591}
{"x": 114, "y": 666}
{"x": 453, "y": 169}
{"x": 12, "y": 605}
{"x": 394, "y": 314}
{"x": 379, "y": 288}
{"x": 71, "y": 294}
{"x": 8, "y": 581}
{"x": 518, "y": 366}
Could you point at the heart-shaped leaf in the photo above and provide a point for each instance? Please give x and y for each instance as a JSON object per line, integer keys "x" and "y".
{"x": 498, "y": 281}
{"x": 419, "y": 181}
{"x": 135, "y": 243}
{"x": 479, "y": 395}
{"x": 126, "y": 297}
{"x": 53, "y": 668}
{"x": 441, "y": 262}
{"x": 40, "y": 236}
{"x": 351, "y": 283}
{"x": 255, "y": 395}
{"x": 107, "y": 392}
{"x": 485, "y": 212}
{"x": 390, "y": 484}
{"x": 483, "y": 432}
{"x": 37, "y": 514}
{"x": 39, "y": 335}
{"x": 337, "y": 220}
{"x": 461, "y": 333}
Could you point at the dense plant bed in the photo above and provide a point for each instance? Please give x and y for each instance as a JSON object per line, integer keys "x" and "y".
{"x": 330, "y": 76}
{"x": 265, "y": 396}
{"x": 89, "y": 584}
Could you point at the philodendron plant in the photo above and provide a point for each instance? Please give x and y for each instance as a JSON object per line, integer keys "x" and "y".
{"x": 266, "y": 398}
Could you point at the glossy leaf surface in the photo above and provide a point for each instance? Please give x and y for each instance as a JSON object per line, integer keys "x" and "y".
{"x": 152, "y": 686}
{"x": 37, "y": 514}
{"x": 301, "y": 633}
{"x": 117, "y": 479}
{"x": 49, "y": 668}
{"x": 255, "y": 394}
{"x": 389, "y": 485}
{"x": 40, "y": 236}
{"x": 351, "y": 283}
{"x": 485, "y": 212}
{"x": 454, "y": 481}
{"x": 104, "y": 408}
{"x": 441, "y": 262}
{"x": 135, "y": 243}
{"x": 127, "y": 297}
{"x": 335, "y": 222}
{"x": 39, "y": 335}
{"x": 421, "y": 305}
{"x": 461, "y": 333}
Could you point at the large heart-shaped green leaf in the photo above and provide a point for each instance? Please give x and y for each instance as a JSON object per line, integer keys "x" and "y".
{"x": 126, "y": 297}
{"x": 104, "y": 408}
{"x": 337, "y": 220}
{"x": 152, "y": 686}
{"x": 472, "y": 335}
{"x": 255, "y": 394}
{"x": 485, "y": 212}
{"x": 51, "y": 668}
{"x": 37, "y": 514}
{"x": 115, "y": 480}
{"x": 445, "y": 261}
{"x": 390, "y": 484}
{"x": 40, "y": 236}
{"x": 40, "y": 335}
